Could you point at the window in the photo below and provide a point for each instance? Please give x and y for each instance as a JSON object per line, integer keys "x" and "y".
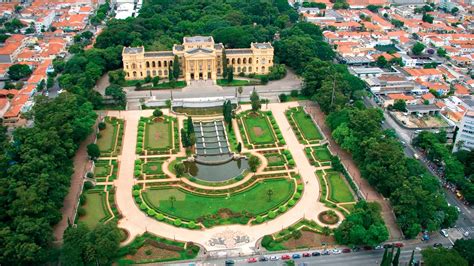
{"x": 165, "y": 72}
{"x": 134, "y": 66}
{"x": 165, "y": 64}
{"x": 250, "y": 60}
{"x": 147, "y": 64}
{"x": 238, "y": 60}
{"x": 238, "y": 69}
{"x": 250, "y": 69}
{"x": 233, "y": 61}
{"x": 245, "y": 61}
{"x": 154, "y": 73}
{"x": 159, "y": 63}
{"x": 126, "y": 66}
{"x": 171, "y": 63}
{"x": 134, "y": 74}
{"x": 148, "y": 73}
{"x": 244, "y": 69}
{"x": 153, "y": 64}
{"x": 160, "y": 73}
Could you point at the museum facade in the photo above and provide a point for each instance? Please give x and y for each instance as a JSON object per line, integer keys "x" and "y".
{"x": 200, "y": 58}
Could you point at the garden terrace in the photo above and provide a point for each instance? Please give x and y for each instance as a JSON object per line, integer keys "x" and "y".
{"x": 105, "y": 170}
{"x": 157, "y": 135}
{"x": 94, "y": 208}
{"x": 259, "y": 130}
{"x": 149, "y": 168}
{"x": 238, "y": 206}
{"x": 278, "y": 159}
{"x": 318, "y": 155}
{"x": 335, "y": 192}
{"x": 303, "y": 125}
{"x": 148, "y": 248}
{"x": 109, "y": 139}
{"x": 303, "y": 234}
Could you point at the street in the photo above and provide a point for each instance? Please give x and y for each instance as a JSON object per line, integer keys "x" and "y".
{"x": 372, "y": 257}
{"x": 466, "y": 216}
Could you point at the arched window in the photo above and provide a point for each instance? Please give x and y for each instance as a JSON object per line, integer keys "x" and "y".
{"x": 141, "y": 74}
{"x": 233, "y": 61}
{"x": 256, "y": 69}
{"x": 154, "y": 73}
{"x": 134, "y": 66}
{"x": 238, "y": 70}
{"x": 147, "y": 64}
{"x": 159, "y": 63}
{"x": 160, "y": 73}
{"x": 270, "y": 61}
{"x": 148, "y": 73}
{"x": 134, "y": 74}
{"x": 165, "y": 64}
{"x": 228, "y": 62}
{"x": 128, "y": 74}
{"x": 250, "y": 60}
{"x": 153, "y": 64}
{"x": 263, "y": 69}
{"x": 171, "y": 63}
{"x": 238, "y": 60}
{"x": 245, "y": 61}
{"x": 250, "y": 69}
{"x": 244, "y": 69}
{"x": 126, "y": 66}
{"x": 165, "y": 72}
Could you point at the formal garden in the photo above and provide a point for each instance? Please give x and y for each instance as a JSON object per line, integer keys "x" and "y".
{"x": 109, "y": 137}
{"x": 94, "y": 206}
{"x": 157, "y": 135}
{"x": 259, "y": 130}
{"x": 318, "y": 155}
{"x": 336, "y": 193}
{"x": 149, "y": 168}
{"x": 303, "y": 126}
{"x": 105, "y": 170}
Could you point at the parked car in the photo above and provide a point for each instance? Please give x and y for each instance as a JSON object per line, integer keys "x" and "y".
{"x": 273, "y": 258}
{"x": 336, "y": 251}
{"x": 356, "y": 249}
{"x": 398, "y": 245}
{"x": 367, "y": 248}
{"x": 378, "y": 247}
{"x": 285, "y": 257}
{"x": 315, "y": 254}
{"x": 296, "y": 256}
{"x": 437, "y": 245}
{"x": 229, "y": 262}
{"x": 444, "y": 232}
{"x": 388, "y": 246}
{"x": 263, "y": 258}
{"x": 252, "y": 260}
{"x": 306, "y": 254}
{"x": 326, "y": 252}
{"x": 346, "y": 250}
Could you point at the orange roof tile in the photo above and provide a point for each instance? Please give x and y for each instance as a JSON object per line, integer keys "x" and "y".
{"x": 400, "y": 96}
{"x": 427, "y": 96}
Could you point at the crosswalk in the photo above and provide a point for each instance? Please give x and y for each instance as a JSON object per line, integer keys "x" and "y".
{"x": 463, "y": 230}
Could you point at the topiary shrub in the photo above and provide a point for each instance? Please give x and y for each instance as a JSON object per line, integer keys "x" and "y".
{"x": 159, "y": 217}
{"x": 151, "y": 212}
{"x": 136, "y": 193}
{"x": 81, "y": 212}
{"x": 291, "y": 162}
{"x": 137, "y": 173}
{"x": 299, "y": 187}
{"x": 102, "y": 125}
{"x": 282, "y": 209}
{"x": 259, "y": 219}
{"x": 177, "y": 222}
{"x": 191, "y": 225}
{"x": 271, "y": 214}
{"x": 143, "y": 207}
{"x": 88, "y": 185}
{"x": 297, "y": 195}
{"x": 291, "y": 202}
{"x": 90, "y": 175}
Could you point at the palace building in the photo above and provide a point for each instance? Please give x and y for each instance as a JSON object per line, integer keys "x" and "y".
{"x": 199, "y": 58}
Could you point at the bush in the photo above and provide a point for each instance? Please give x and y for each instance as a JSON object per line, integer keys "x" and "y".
{"x": 82, "y": 199}
{"x": 157, "y": 113}
{"x": 297, "y": 195}
{"x": 143, "y": 206}
{"x": 177, "y": 222}
{"x": 282, "y": 209}
{"x": 291, "y": 202}
{"x": 259, "y": 219}
{"x": 138, "y": 162}
{"x": 137, "y": 173}
{"x": 159, "y": 217}
{"x": 283, "y": 97}
{"x": 139, "y": 150}
{"x": 136, "y": 193}
{"x": 88, "y": 185}
{"x": 90, "y": 175}
{"x": 299, "y": 187}
{"x": 294, "y": 93}
{"x": 81, "y": 212}
{"x": 191, "y": 225}
{"x": 266, "y": 240}
{"x": 151, "y": 212}
{"x": 271, "y": 214}
{"x": 102, "y": 125}
{"x": 291, "y": 162}
{"x": 264, "y": 79}
{"x": 282, "y": 142}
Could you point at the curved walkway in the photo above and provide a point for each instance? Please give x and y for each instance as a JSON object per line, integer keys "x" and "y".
{"x": 136, "y": 221}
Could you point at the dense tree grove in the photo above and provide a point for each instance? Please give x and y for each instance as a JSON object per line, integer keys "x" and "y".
{"x": 363, "y": 226}
{"x": 459, "y": 167}
{"x": 442, "y": 257}
{"x": 35, "y": 173}
{"x": 416, "y": 196}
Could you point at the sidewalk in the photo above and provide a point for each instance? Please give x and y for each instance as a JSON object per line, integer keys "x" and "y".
{"x": 365, "y": 188}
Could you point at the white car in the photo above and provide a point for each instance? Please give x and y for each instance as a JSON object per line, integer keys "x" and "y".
{"x": 274, "y": 258}
{"x": 444, "y": 232}
{"x": 336, "y": 251}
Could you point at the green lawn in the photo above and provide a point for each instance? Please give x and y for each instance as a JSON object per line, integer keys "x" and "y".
{"x": 153, "y": 168}
{"x": 258, "y": 129}
{"x": 106, "y": 142}
{"x": 101, "y": 170}
{"x": 235, "y": 82}
{"x": 192, "y": 206}
{"x": 338, "y": 189}
{"x": 158, "y": 135}
{"x": 306, "y": 125}
{"x": 275, "y": 159}
{"x": 322, "y": 154}
{"x": 95, "y": 210}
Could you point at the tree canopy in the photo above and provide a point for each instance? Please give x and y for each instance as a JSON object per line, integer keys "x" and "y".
{"x": 19, "y": 71}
